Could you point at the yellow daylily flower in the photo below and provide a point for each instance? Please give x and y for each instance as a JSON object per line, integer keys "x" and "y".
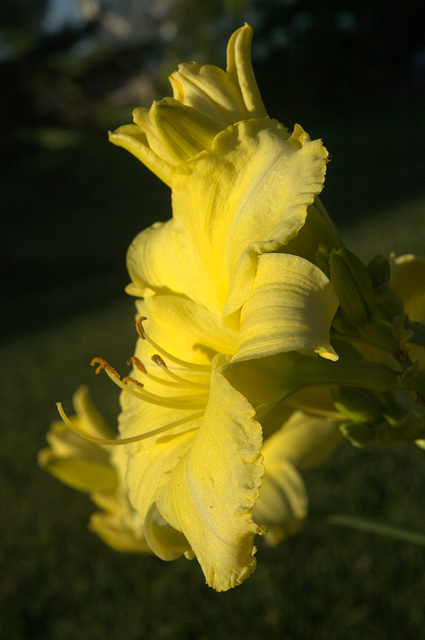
{"x": 235, "y": 319}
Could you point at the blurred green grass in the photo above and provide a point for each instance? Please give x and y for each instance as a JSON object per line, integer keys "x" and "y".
{"x": 60, "y": 582}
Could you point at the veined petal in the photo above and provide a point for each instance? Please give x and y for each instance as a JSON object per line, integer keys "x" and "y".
{"x": 248, "y": 195}
{"x": 186, "y": 329}
{"x": 210, "y": 493}
{"x": 148, "y": 475}
{"x": 209, "y": 89}
{"x": 290, "y": 307}
{"x": 160, "y": 258}
{"x": 239, "y": 69}
{"x": 184, "y": 131}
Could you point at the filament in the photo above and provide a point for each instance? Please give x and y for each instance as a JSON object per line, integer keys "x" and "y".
{"x": 181, "y": 402}
{"x": 182, "y": 382}
{"x": 167, "y": 383}
{"x": 183, "y": 363}
{"x": 116, "y": 441}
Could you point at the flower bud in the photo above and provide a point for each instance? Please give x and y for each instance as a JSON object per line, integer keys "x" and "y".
{"x": 353, "y": 285}
{"x": 379, "y": 270}
{"x": 360, "y": 434}
{"x": 360, "y": 405}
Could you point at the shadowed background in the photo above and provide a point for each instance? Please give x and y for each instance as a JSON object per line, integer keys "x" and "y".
{"x": 350, "y": 73}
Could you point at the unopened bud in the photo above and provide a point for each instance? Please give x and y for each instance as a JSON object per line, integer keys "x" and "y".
{"x": 379, "y": 270}
{"x": 360, "y": 434}
{"x": 359, "y": 405}
{"x": 353, "y": 286}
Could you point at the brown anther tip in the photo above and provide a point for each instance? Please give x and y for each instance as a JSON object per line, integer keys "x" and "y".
{"x": 102, "y": 364}
{"x": 138, "y": 364}
{"x": 401, "y": 355}
{"x": 139, "y": 326}
{"x": 133, "y": 381}
{"x": 158, "y": 360}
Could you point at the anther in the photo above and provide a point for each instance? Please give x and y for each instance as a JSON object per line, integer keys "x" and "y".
{"x": 137, "y": 363}
{"x": 118, "y": 441}
{"x": 158, "y": 360}
{"x": 139, "y": 327}
{"x": 103, "y": 365}
{"x": 133, "y": 381}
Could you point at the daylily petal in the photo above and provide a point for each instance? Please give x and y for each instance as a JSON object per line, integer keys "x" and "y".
{"x": 80, "y": 464}
{"x": 208, "y": 89}
{"x": 305, "y": 440}
{"x": 135, "y": 140}
{"x": 196, "y": 334}
{"x": 85, "y": 472}
{"x": 184, "y": 131}
{"x": 408, "y": 281}
{"x": 290, "y": 307}
{"x": 150, "y": 266}
{"x": 248, "y": 195}
{"x": 239, "y": 69}
{"x": 118, "y": 525}
{"x": 210, "y": 493}
{"x": 282, "y": 505}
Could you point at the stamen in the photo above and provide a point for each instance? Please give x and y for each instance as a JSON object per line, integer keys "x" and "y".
{"x": 182, "y": 382}
{"x": 138, "y": 363}
{"x": 183, "y": 363}
{"x": 104, "y": 365}
{"x": 180, "y": 402}
{"x": 116, "y": 441}
{"x": 141, "y": 367}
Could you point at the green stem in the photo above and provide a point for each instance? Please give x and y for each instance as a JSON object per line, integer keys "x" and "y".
{"x": 374, "y": 526}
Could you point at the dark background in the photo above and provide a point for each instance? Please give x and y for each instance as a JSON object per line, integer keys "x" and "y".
{"x": 352, "y": 73}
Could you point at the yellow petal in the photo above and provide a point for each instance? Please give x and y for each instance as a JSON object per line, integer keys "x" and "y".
{"x": 118, "y": 525}
{"x": 134, "y": 140}
{"x": 87, "y": 473}
{"x": 212, "y": 490}
{"x": 209, "y": 90}
{"x": 160, "y": 258}
{"x": 239, "y": 69}
{"x": 282, "y": 505}
{"x": 74, "y": 460}
{"x": 305, "y": 440}
{"x": 248, "y": 195}
{"x": 408, "y": 281}
{"x": 184, "y": 131}
{"x": 290, "y": 307}
{"x": 186, "y": 329}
